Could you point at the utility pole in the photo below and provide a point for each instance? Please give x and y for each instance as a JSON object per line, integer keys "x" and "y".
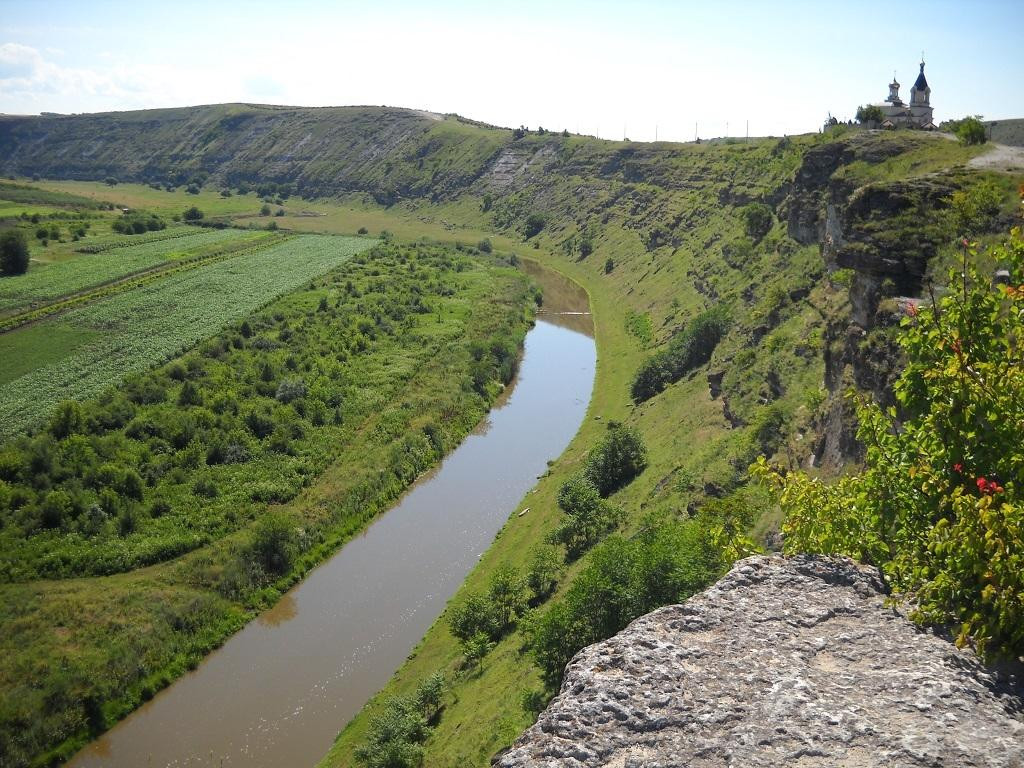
{"x": 748, "y": 130}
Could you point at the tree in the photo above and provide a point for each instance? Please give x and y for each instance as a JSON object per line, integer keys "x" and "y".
{"x": 475, "y": 614}
{"x": 507, "y": 595}
{"x": 534, "y": 224}
{"x": 609, "y": 265}
{"x": 275, "y": 543}
{"x": 543, "y": 572}
{"x": 265, "y": 210}
{"x": 869, "y": 113}
{"x": 588, "y": 517}
{"x": 475, "y": 648}
{"x": 193, "y": 214}
{"x": 485, "y": 246}
{"x": 13, "y": 252}
{"x": 971, "y": 131}
{"x": 616, "y": 460}
{"x": 757, "y": 220}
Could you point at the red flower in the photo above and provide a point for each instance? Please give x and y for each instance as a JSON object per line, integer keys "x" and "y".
{"x": 912, "y": 309}
{"x": 963, "y": 242}
{"x": 958, "y": 467}
{"x": 981, "y": 482}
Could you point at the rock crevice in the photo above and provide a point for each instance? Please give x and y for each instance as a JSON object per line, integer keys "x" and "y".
{"x": 783, "y": 662}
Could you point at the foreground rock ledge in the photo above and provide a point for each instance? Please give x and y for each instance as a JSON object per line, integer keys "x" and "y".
{"x": 783, "y": 662}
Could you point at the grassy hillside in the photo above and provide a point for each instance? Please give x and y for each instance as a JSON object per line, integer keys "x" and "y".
{"x": 656, "y": 233}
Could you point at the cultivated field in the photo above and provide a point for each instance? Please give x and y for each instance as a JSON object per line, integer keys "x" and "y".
{"x": 134, "y": 330}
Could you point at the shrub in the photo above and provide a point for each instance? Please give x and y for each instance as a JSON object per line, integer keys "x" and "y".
{"x": 609, "y": 265}
{"x": 193, "y": 214}
{"x": 971, "y": 131}
{"x": 13, "y": 252}
{"x": 667, "y": 562}
{"x": 938, "y": 506}
{"x": 534, "y": 224}
{"x": 975, "y": 209}
{"x": 265, "y": 210}
{"x": 485, "y": 246}
{"x": 362, "y": 231}
{"x": 869, "y": 113}
{"x": 275, "y": 543}
{"x": 616, "y": 460}
{"x": 586, "y": 246}
{"x": 588, "y": 517}
{"x": 687, "y": 350}
{"x": 757, "y": 220}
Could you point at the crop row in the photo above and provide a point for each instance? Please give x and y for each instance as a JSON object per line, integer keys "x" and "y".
{"x": 143, "y": 327}
{"x": 67, "y": 277}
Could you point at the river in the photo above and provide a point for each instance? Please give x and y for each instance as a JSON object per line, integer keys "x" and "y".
{"x": 277, "y": 692}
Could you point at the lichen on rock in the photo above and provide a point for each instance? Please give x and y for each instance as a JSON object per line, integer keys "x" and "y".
{"x": 785, "y": 661}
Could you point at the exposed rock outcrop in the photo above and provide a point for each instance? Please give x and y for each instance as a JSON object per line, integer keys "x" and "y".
{"x": 783, "y": 662}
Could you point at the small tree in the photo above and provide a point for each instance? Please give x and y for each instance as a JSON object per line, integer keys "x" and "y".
{"x": 265, "y": 210}
{"x": 534, "y": 224}
{"x": 13, "y": 252}
{"x": 757, "y": 220}
{"x": 971, "y": 131}
{"x": 609, "y": 265}
{"x": 193, "y": 214}
{"x": 869, "y": 113}
{"x": 485, "y": 246}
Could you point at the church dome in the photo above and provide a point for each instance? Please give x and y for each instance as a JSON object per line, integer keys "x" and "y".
{"x": 921, "y": 83}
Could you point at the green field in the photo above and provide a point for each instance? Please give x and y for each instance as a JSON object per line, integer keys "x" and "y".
{"x": 143, "y": 327}
{"x": 49, "y": 282}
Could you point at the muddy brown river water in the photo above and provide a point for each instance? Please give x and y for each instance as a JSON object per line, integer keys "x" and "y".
{"x": 277, "y": 693}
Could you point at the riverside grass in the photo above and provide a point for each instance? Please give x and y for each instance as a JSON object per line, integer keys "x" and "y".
{"x": 132, "y": 633}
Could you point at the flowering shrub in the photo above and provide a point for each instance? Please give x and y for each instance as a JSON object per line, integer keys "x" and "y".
{"x": 939, "y": 504}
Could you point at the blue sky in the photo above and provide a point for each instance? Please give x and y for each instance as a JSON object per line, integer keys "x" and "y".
{"x": 591, "y": 67}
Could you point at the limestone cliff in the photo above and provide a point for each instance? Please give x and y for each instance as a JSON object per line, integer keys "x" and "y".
{"x": 783, "y": 662}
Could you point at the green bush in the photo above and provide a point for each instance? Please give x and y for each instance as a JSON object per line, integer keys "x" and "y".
{"x": 588, "y": 517}
{"x": 616, "y": 460}
{"x": 938, "y": 506}
{"x": 13, "y": 252}
{"x": 275, "y": 543}
{"x": 688, "y": 349}
{"x": 624, "y": 578}
{"x": 534, "y": 224}
{"x": 757, "y": 220}
{"x": 971, "y": 131}
{"x": 975, "y": 208}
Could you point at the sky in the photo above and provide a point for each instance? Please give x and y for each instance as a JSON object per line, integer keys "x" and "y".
{"x": 642, "y": 69}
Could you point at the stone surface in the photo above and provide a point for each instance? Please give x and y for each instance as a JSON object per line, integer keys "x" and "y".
{"x": 794, "y": 662}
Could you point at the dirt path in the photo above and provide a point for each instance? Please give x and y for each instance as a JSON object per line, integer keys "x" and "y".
{"x": 1000, "y": 158}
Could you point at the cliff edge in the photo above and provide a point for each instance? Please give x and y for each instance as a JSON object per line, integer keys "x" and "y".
{"x": 792, "y": 661}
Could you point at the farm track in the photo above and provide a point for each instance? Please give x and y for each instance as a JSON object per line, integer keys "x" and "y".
{"x": 134, "y": 280}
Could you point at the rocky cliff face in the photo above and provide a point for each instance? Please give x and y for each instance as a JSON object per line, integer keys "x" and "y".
{"x": 885, "y": 233}
{"x": 783, "y": 662}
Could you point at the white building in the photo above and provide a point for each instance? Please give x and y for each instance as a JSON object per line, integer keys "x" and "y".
{"x": 916, "y": 114}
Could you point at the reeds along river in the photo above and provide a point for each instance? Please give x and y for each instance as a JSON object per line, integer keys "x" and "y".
{"x": 278, "y": 692}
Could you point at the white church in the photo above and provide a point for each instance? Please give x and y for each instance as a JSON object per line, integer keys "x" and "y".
{"x": 916, "y": 114}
